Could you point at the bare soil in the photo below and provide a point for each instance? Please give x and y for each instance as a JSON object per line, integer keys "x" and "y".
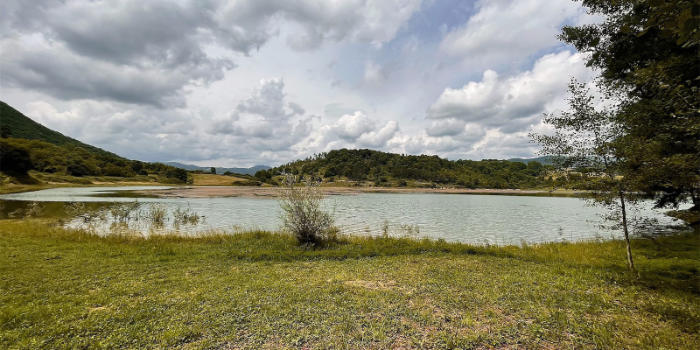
{"x": 253, "y": 191}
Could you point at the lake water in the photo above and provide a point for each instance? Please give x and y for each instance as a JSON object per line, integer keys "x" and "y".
{"x": 477, "y": 219}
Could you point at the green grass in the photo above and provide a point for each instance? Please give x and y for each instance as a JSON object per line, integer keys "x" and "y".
{"x": 67, "y": 289}
{"x": 41, "y": 181}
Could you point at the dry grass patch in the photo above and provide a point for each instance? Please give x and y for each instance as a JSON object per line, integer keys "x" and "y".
{"x": 373, "y": 285}
{"x": 214, "y": 180}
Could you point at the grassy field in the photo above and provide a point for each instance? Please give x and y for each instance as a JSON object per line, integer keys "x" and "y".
{"x": 66, "y": 289}
{"x": 44, "y": 181}
{"x": 215, "y": 180}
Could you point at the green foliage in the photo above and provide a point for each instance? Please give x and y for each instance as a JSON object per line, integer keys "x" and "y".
{"x": 588, "y": 141}
{"x": 395, "y": 169}
{"x": 648, "y": 52}
{"x": 51, "y": 152}
{"x": 302, "y": 214}
{"x": 17, "y": 125}
{"x": 14, "y": 161}
{"x": 180, "y": 175}
{"x": 77, "y": 161}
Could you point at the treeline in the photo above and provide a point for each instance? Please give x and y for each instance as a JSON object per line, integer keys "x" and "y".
{"x": 18, "y": 156}
{"x": 389, "y": 169}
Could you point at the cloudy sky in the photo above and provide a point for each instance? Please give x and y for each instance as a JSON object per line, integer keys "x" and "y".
{"x": 245, "y": 82}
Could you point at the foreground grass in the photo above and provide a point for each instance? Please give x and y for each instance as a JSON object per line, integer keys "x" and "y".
{"x": 63, "y": 289}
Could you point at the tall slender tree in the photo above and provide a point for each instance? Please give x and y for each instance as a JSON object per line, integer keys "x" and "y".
{"x": 586, "y": 140}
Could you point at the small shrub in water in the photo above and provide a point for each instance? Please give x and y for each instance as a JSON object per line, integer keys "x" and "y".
{"x": 385, "y": 228}
{"x": 185, "y": 216}
{"x": 122, "y": 212}
{"x": 81, "y": 211}
{"x": 35, "y": 210}
{"x": 157, "y": 215}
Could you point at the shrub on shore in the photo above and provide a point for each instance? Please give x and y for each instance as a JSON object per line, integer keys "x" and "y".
{"x": 303, "y": 215}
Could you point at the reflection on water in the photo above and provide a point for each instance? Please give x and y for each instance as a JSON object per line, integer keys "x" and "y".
{"x": 478, "y": 219}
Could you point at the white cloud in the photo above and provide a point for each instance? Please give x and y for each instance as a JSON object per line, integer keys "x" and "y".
{"x": 187, "y": 80}
{"x": 149, "y": 52}
{"x": 359, "y": 130}
{"x": 352, "y": 126}
{"x": 265, "y": 115}
{"x": 512, "y": 103}
{"x": 446, "y": 127}
{"x": 503, "y": 30}
{"x": 379, "y": 138}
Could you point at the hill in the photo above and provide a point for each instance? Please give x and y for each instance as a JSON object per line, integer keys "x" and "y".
{"x": 219, "y": 170}
{"x": 14, "y": 124}
{"x": 29, "y": 146}
{"x": 389, "y": 169}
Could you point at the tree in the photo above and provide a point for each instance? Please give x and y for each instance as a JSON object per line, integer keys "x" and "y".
{"x": 78, "y": 168}
{"x": 177, "y": 174}
{"x": 587, "y": 140}
{"x": 263, "y": 175}
{"x": 648, "y": 52}
{"x": 212, "y": 170}
{"x": 14, "y": 161}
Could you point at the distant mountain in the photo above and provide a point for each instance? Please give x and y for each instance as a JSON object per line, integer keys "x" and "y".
{"x": 185, "y": 166}
{"x": 248, "y": 171}
{"x": 545, "y": 160}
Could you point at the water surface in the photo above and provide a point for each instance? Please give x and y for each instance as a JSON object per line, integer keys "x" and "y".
{"x": 478, "y": 219}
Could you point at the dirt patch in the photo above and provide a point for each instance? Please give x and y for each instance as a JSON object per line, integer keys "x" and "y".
{"x": 374, "y": 285}
{"x": 98, "y": 308}
{"x": 215, "y": 180}
{"x": 271, "y": 192}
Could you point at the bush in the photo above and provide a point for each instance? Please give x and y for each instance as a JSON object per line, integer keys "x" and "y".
{"x": 302, "y": 214}
{"x": 77, "y": 168}
{"x": 177, "y": 174}
{"x": 14, "y": 160}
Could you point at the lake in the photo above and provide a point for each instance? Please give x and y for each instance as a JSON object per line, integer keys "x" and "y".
{"x": 476, "y": 219}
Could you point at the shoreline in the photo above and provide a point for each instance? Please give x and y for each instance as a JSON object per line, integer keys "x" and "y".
{"x": 270, "y": 192}
{"x": 209, "y": 191}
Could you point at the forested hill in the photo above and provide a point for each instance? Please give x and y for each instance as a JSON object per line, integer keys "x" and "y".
{"x": 26, "y": 145}
{"x": 389, "y": 169}
{"x": 16, "y": 125}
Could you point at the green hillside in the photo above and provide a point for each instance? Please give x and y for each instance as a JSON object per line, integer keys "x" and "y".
{"x": 29, "y": 146}
{"x": 389, "y": 169}
{"x": 16, "y": 125}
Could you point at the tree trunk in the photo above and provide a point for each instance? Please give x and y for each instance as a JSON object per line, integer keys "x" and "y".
{"x": 630, "y": 261}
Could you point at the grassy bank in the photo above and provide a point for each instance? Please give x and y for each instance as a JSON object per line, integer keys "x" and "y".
{"x": 35, "y": 181}
{"x": 64, "y": 289}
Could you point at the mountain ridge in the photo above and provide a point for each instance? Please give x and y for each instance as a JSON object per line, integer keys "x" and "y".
{"x": 220, "y": 170}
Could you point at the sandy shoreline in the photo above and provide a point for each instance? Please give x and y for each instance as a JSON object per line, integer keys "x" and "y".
{"x": 262, "y": 192}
